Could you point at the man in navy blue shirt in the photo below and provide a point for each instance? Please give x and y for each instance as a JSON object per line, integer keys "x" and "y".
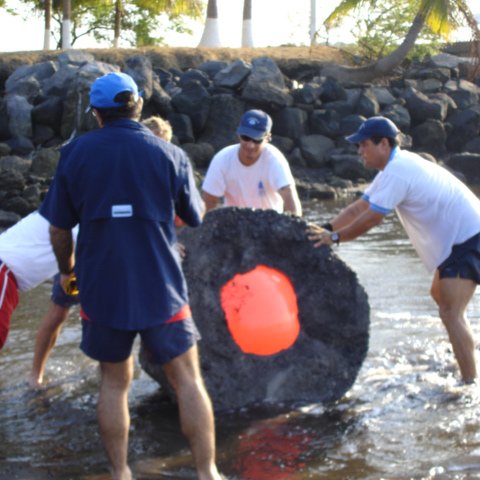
{"x": 124, "y": 186}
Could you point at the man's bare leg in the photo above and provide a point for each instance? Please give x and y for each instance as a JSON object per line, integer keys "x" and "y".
{"x": 195, "y": 409}
{"x": 113, "y": 415}
{"x": 452, "y": 296}
{"x": 45, "y": 340}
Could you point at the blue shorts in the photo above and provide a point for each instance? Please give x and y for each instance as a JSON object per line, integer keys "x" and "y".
{"x": 464, "y": 261}
{"x": 161, "y": 343}
{"x": 59, "y": 297}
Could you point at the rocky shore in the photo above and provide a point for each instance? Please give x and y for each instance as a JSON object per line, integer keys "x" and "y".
{"x": 43, "y": 101}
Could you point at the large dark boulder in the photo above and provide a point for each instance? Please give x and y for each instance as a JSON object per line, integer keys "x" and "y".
{"x": 333, "y": 312}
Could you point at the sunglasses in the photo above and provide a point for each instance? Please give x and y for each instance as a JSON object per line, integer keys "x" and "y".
{"x": 245, "y": 138}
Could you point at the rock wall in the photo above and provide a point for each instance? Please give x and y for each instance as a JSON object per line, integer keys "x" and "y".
{"x": 43, "y": 105}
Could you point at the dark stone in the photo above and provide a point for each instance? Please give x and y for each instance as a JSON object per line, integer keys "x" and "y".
{"x": 465, "y": 125}
{"x": 212, "y": 67}
{"x": 20, "y": 145}
{"x": 222, "y": 121}
{"x": 367, "y": 104}
{"x": 430, "y": 136}
{"x": 325, "y": 122}
{"x": 350, "y": 167}
{"x": 194, "y": 75}
{"x": 11, "y": 180}
{"x": 332, "y": 90}
{"x": 323, "y": 362}
{"x": 44, "y": 162}
{"x": 182, "y": 127}
{"x": 233, "y": 75}
{"x": 49, "y": 112}
{"x": 193, "y": 100}
{"x": 289, "y": 122}
{"x": 17, "y": 204}
{"x": 42, "y": 134}
{"x": 7, "y": 219}
{"x": 467, "y": 164}
{"x": 199, "y": 153}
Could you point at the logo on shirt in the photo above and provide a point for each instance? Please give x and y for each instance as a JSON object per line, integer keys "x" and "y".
{"x": 261, "y": 188}
{"x": 122, "y": 211}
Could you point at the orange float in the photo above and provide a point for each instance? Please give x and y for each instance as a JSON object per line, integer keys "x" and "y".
{"x": 261, "y": 311}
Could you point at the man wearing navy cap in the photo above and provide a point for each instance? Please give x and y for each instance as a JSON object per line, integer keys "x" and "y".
{"x": 124, "y": 186}
{"x": 440, "y": 214}
{"x": 252, "y": 173}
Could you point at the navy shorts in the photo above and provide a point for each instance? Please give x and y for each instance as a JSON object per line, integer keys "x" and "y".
{"x": 59, "y": 297}
{"x": 464, "y": 261}
{"x": 162, "y": 343}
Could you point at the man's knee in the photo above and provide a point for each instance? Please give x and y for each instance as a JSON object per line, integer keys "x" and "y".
{"x": 117, "y": 376}
{"x": 184, "y": 369}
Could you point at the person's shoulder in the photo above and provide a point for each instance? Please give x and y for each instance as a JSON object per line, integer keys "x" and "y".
{"x": 226, "y": 154}
{"x": 274, "y": 155}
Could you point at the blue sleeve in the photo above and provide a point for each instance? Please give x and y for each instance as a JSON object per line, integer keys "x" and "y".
{"x": 188, "y": 202}
{"x": 57, "y": 206}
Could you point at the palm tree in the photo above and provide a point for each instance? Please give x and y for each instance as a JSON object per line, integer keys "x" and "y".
{"x": 313, "y": 22}
{"x": 438, "y": 15}
{"x": 118, "y": 23}
{"x": 247, "y": 36}
{"x": 211, "y": 33}
{"x": 48, "y": 29}
{"x": 66, "y": 24}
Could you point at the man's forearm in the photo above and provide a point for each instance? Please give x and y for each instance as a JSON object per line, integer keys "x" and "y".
{"x": 62, "y": 244}
{"x": 349, "y": 214}
{"x": 291, "y": 202}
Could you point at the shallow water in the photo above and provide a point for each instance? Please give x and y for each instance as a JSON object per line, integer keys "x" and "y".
{"x": 406, "y": 416}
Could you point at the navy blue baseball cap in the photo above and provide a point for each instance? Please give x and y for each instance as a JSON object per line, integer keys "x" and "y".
{"x": 104, "y": 89}
{"x": 374, "y": 127}
{"x": 255, "y": 124}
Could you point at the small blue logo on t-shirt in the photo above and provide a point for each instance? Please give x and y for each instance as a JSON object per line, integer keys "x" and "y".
{"x": 261, "y": 188}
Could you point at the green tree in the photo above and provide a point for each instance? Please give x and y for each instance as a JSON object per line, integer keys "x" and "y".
{"x": 379, "y": 33}
{"x": 136, "y": 20}
{"x": 441, "y": 16}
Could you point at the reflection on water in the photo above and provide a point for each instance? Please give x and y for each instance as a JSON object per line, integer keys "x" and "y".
{"x": 406, "y": 417}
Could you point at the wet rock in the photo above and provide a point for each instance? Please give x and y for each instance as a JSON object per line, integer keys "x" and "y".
{"x": 333, "y": 311}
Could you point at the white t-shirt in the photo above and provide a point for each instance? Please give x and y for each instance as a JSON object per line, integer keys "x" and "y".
{"x": 436, "y": 209}
{"x": 26, "y": 249}
{"x": 254, "y": 186}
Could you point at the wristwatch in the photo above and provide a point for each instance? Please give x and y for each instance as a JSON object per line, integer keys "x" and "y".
{"x": 335, "y": 237}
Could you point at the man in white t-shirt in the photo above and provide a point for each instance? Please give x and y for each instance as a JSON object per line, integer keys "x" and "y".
{"x": 252, "y": 173}
{"x": 26, "y": 261}
{"x": 440, "y": 214}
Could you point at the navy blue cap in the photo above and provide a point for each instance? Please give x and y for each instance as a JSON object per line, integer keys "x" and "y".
{"x": 255, "y": 124}
{"x": 374, "y": 127}
{"x": 104, "y": 89}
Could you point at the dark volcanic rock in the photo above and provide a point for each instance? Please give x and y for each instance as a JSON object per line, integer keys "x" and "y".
{"x": 333, "y": 311}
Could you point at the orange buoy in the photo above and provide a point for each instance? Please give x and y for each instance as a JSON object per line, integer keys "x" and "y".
{"x": 261, "y": 310}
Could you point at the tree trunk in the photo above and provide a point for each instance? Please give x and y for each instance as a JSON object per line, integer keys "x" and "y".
{"x": 384, "y": 65}
{"x": 48, "y": 21}
{"x": 67, "y": 11}
{"x": 247, "y": 34}
{"x": 313, "y": 22}
{"x": 118, "y": 23}
{"x": 211, "y": 32}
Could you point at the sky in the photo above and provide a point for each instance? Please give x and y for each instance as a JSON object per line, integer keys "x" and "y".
{"x": 275, "y": 22}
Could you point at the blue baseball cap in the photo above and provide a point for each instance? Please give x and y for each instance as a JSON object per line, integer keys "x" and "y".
{"x": 104, "y": 89}
{"x": 255, "y": 124}
{"x": 374, "y": 127}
